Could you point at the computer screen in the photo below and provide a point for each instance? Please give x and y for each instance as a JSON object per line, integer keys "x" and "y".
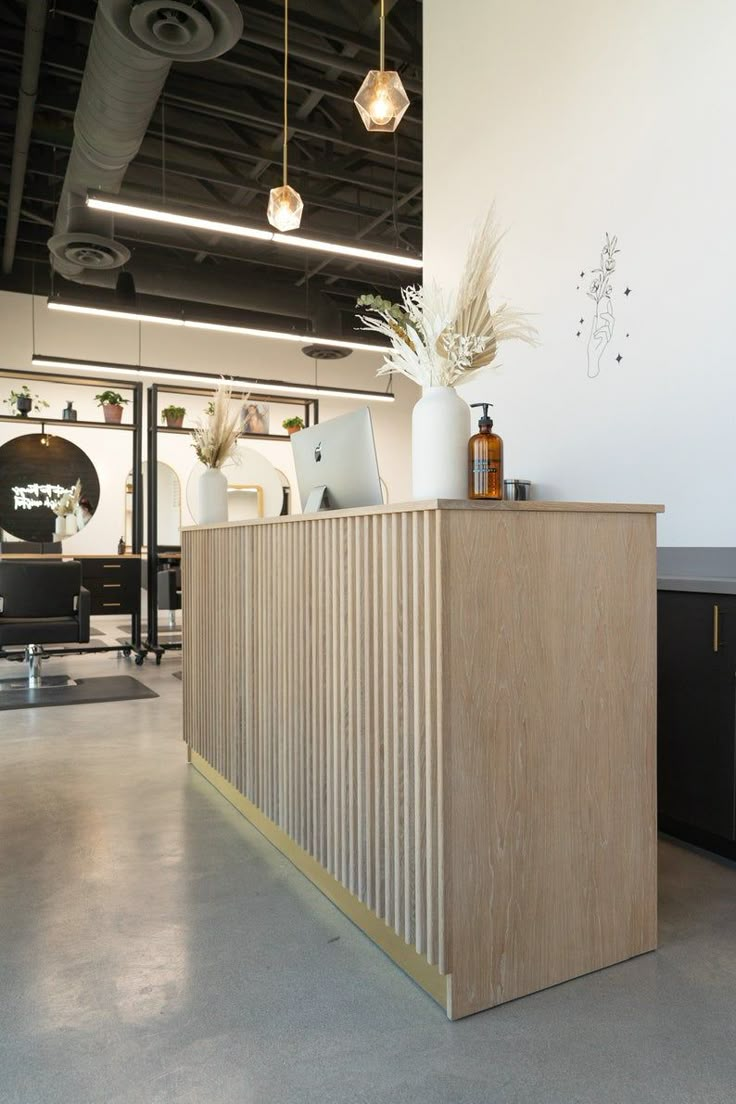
{"x": 339, "y": 455}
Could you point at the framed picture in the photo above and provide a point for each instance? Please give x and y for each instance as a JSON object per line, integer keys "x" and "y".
{"x": 255, "y": 417}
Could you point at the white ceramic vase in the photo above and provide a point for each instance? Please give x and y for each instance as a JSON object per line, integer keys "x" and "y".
{"x": 60, "y": 527}
{"x": 440, "y": 429}
{"x": 71, "y": 525}
{"x": 212, "y": 497}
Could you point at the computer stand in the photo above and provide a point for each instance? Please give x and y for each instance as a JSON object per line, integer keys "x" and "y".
{"x": 318, "y": 499}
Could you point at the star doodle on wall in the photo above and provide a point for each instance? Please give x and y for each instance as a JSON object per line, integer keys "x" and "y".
{"x": 619, "y": 358}
{"x": 627, "y": 291}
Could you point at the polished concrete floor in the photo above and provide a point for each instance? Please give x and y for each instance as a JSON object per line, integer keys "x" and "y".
{"x": 156, "y": 950}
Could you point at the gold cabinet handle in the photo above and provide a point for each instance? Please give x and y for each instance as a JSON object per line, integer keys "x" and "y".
{"x": 716, "y": 615}
{"x": 116, "y": 586}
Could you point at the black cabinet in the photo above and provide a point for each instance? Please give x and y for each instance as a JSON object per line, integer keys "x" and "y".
{"x": 113, "y": 582}
{"x": 697, "y": 715}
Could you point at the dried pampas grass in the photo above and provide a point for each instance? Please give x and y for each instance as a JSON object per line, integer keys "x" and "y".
{"x": 215, "y": 436}
{"x": 437, "y": 344}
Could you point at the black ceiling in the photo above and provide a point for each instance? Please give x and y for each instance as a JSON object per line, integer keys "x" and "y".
{"x": 215, "y": 142}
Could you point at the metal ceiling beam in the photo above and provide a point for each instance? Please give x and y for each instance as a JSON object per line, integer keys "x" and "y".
{"x": 148, "y": 194}
{"x": 32, "y": 49}
{"x": 371, "y": 226}
{"x": 323, "y": 169}
{"x": 322, "y": 59}
{"x": 298, "y": 48}
{"x": 304, "y": 25}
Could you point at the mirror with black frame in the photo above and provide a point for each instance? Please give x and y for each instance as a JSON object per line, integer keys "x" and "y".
{"x": 49, "y": 488}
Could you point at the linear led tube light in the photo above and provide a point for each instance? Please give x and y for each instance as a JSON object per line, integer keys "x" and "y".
{"x": 222, "y": 327}
{"x": 195, "y": 222}
{"x": 270, "y": 387}
{"x": 107, "y": 312}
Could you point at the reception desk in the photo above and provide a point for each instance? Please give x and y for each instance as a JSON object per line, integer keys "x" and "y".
{"x": 443, "y": 713}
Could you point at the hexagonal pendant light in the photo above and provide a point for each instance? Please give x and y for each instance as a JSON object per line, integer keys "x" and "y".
{"x": 382, "y": 100}
{"x": 285, "y": 205}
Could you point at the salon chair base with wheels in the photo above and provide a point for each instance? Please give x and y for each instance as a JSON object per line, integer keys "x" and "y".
{"x": 41, "y": 603}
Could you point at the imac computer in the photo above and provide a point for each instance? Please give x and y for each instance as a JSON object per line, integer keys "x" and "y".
{"x": 336, "y": 465}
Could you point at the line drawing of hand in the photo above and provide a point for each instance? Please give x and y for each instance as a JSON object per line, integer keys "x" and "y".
{"x": 600, "y": 291}
{"x": 601, "y": 332}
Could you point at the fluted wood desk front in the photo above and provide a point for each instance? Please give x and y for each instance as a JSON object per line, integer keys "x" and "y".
{"x": 444, "y": 714}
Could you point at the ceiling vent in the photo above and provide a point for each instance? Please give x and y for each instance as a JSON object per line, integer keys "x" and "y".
{"x": 183, "y": 30}
{"x": 325, "y": 352}
{"x": 83, "y": 250}
{"x": 130, "y": 54}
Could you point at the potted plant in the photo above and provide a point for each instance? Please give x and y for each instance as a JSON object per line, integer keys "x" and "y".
{"x": 24, "y": 402}
{"x": 293, "y": 425}
{"x": 173, "y": 416}
{"x": 112, "y": 405}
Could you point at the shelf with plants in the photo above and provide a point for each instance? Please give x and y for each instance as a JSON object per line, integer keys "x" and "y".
{"x": 243, "y": 436}
{"x": 67, "y": 424}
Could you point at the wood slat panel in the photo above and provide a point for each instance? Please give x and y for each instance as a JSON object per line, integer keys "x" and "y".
{"x": 311, "y": 659}
{"x": 450, "y": 711}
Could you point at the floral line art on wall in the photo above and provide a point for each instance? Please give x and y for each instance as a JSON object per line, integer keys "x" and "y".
{"x": 600, "y": 289}
{"x": 601, "y": 292}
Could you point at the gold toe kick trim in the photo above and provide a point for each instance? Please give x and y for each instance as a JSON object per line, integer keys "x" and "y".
{"x": 407, "y": 958}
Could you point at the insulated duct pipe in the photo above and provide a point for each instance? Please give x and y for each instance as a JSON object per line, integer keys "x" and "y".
{"x": 131, "y": 51}
{"x": 32, "y": 48}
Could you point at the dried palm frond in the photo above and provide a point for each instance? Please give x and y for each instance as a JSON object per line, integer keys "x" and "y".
{"x": 215, "y": 435}
{"x": 436, "y": 345}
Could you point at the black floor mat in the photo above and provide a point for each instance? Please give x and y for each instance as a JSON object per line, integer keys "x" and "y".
{"x": 177, "y": 674}
{"x": 86, "y": 692}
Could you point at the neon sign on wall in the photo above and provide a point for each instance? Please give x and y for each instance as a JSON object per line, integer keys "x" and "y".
{"x": 36, "y": 495}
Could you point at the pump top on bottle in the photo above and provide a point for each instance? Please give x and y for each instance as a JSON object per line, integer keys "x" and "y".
{"x": 485, "y": 459}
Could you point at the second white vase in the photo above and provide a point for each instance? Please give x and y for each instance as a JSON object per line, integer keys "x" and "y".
{"x": 440, "y": 428}
{"x": 212, "y": 497}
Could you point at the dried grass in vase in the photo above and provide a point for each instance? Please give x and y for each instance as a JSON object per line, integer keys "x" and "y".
{"x": 67, "y": 503}
{"x": 439, "y": 343}
{"x": 215, "y": 435}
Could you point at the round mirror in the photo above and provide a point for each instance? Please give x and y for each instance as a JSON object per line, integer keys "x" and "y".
{"x": 49, "y": 488}
{"x": 254, "y": 487}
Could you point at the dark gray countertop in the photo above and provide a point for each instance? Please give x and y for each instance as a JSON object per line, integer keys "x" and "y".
{"x": 697, "y": 585}
{"x": 700, "y": 570}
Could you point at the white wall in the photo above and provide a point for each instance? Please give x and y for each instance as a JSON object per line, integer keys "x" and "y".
{"x": 50, "y": 332}
{"x": 581, "y": 119}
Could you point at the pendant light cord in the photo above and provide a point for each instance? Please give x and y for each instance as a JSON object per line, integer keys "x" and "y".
{"x": 286, "y": 82}
{"x": 382, "y": 25}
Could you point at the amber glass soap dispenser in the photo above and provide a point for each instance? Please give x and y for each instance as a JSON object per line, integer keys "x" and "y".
{"x": 485, "y": 459}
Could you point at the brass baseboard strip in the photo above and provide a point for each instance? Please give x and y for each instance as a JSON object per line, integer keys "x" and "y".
{"x": 410, "y": 961}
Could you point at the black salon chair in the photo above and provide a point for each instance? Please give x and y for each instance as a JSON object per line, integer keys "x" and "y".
{"x": 41, "y": 603}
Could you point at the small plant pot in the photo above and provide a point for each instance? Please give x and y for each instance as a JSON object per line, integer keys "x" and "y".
{"x": 23, "y": 405}
{"x": 174, "y": 423}
{"x": 292, "y": 429}
{"x": 113, "y": 413}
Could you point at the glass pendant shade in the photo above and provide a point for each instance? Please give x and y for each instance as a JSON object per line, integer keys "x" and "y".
{"x": 381, "y": 100}
{"x": 285, "y": 208}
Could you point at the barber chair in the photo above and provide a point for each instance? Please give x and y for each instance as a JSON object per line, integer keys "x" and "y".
{"x": 41, "y": 603}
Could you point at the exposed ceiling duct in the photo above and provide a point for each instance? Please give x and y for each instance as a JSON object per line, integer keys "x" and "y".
{"x": 132, "y": 48}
